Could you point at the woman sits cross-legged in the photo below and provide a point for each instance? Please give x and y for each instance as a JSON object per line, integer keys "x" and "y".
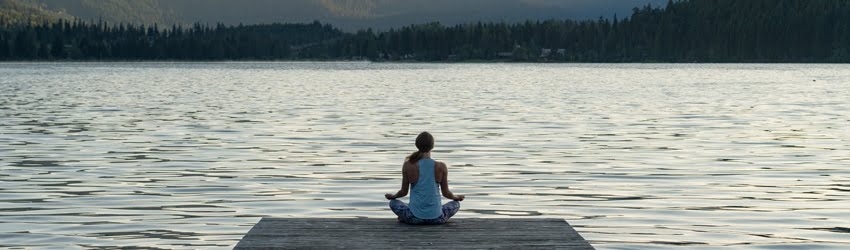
{"x": 426, "y": 178}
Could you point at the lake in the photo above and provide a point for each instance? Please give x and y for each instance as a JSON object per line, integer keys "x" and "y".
{"x": 635, "y": 156}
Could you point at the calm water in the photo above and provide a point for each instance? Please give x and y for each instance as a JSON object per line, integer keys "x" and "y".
{"x": 174, "y": 155}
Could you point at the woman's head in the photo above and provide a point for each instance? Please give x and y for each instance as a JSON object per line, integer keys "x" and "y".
{"x": 425, "y": 143}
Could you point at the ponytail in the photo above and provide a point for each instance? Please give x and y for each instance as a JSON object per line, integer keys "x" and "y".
{"x": 414, "y": 157}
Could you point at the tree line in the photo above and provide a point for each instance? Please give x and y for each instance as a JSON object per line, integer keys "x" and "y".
{"x": 78, "y": 40}
{"x": 681, "y": 31}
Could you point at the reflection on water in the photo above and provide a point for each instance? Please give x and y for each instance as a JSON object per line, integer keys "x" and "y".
{"x": 173, "y": 155}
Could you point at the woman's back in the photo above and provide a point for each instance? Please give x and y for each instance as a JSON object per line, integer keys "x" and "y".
{"x": 425, "y": 200}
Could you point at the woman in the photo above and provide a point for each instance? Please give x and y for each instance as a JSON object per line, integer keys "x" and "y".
{"x": 427, "y": 178}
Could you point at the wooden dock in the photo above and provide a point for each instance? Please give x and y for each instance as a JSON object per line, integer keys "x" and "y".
{"x": 283, "y": 233}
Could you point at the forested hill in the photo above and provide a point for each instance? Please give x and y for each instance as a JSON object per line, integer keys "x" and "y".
{"x": 346, "y": 14}
{"x": 24, "y": 11}
{"x": 116, "y": 11}
{"x": 684, "y": 31}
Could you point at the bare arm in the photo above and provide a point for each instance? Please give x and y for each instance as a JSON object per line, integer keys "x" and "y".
{"x": 444, "y": 185}
{"x": 405, "y": 185}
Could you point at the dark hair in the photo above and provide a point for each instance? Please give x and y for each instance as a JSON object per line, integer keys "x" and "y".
{"x": 424, "y": 142}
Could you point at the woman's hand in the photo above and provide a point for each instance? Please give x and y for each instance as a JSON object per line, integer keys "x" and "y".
{"x": 389, "y": 196}
{"x": 459, "y": 197}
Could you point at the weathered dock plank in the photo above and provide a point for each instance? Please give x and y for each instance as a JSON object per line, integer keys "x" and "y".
{"x": 326, "y": 233}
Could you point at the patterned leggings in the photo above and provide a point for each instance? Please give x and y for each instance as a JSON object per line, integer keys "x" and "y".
{"x": 406, "y": 216}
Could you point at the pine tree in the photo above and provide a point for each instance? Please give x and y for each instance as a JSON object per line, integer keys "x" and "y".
{"x": 25, "y": 45}
{"x": 58, "y": 48}
{"x": 4, "y": 46}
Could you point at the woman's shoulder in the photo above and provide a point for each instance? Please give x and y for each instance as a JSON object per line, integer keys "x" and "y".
{"x": 408, "y": 164}
{"x": 440, "y": 164}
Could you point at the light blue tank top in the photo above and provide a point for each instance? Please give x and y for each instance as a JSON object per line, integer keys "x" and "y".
{"x": 425, "y": 194}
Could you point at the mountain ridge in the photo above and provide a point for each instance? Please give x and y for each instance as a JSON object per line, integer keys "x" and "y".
{"x": 26, "y": 11}
{"x": 345, "y": 14}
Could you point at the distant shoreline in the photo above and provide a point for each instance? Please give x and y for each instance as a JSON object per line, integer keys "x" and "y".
{"x": 391, "y": 62}
{"x": 695, "y": 31}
